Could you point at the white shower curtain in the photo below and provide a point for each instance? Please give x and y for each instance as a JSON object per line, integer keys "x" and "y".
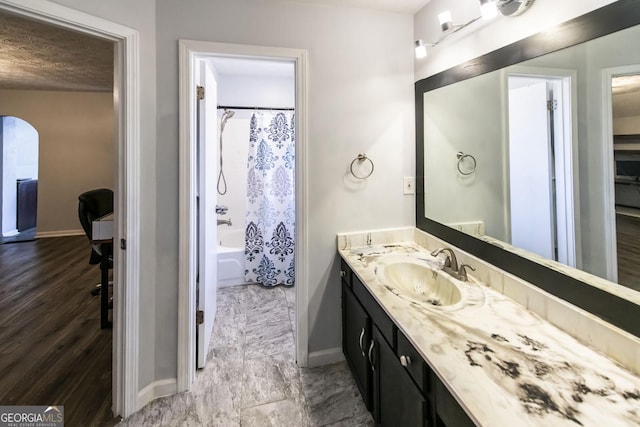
{"x": 270, "y": 233}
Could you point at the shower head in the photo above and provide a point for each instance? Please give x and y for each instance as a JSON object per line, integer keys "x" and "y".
{"x": 226, "y": 115}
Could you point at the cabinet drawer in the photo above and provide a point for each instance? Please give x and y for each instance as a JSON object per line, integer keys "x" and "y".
{"x": 377, "y": 314}
{"x": 413, "y": 363}
{"x": 345, "y": 272}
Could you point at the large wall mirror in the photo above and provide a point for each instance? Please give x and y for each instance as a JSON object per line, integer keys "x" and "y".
{"x": 529, "y": 157}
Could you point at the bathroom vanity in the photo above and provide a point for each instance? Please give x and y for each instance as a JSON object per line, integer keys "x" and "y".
{"x": 466, "y": 354}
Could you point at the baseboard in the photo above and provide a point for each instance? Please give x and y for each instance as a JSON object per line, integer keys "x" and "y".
{"x": 157, "y": 389}
{"x": 61, "y": 233}
{"x": 325, "y": 357}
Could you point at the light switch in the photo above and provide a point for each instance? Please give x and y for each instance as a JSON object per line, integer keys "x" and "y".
{"x": 409, "y": 185}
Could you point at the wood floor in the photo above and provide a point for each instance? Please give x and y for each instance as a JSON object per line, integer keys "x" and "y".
{"x": 628, "y": 241}
{"x": 52, "y": 350}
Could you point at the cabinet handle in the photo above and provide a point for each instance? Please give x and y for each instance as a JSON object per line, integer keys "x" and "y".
{"x": 405, "y": 360}
{"x": 373, "y": 367}
{"x": 360, "y": 341}
{"x": 343, "y": 273}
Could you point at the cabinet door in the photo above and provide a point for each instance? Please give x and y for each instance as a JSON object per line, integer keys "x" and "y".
{"x": 356, "y": 335}
{"x": 396, "y": 399}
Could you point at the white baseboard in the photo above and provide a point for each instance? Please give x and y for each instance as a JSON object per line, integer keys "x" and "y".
{"x": 157, "y": 389}
{"x": 325, "y": 357}
{"x": 61, "y": 233}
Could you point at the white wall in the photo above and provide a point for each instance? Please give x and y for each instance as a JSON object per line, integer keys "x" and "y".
{"x": 76, "y": 148}
{"x": 485, "y": 36}
{"x": 360, "y": 100}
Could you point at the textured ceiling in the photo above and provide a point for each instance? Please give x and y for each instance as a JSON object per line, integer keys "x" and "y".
{"x": 39, "y": 56}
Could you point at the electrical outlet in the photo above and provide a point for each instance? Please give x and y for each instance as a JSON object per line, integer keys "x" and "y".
{"x": 409, "y": 185}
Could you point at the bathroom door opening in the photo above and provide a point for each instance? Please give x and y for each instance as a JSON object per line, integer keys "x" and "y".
{"x": 541, "y": 166}
{"x": 253, "y": 95}
{"x": 223, "y": 56}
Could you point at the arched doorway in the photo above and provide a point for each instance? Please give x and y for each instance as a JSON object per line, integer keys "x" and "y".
{"x": 19, "y": 179}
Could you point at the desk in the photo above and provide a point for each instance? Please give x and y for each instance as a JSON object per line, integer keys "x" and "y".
{"x": 102, "y": 234}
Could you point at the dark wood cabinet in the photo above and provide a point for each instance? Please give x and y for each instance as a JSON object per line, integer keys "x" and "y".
{"x": 397, "y": 385}
{"x": 356, "y": 335}
{"x": 27, "y": 204}
{"x": 396, "y": 399}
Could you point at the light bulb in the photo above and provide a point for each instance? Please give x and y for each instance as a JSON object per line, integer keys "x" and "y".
{"x": 488, "y": 9}
{"x": 421, "y": 49}
{"x": 445, "y": 20}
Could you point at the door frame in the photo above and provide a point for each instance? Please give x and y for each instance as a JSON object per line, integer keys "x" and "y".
{"x": 569, "y": 155}
{"x": 189, "y": 52}
{"x": 126, "y": 93}
{"x": 608, "y": 169}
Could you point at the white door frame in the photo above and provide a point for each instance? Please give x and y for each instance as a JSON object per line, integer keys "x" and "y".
{"x": 571, "y": 179}
{"x": 608, "y": 169}
{"x": 190, "y": 51}
{"x": 127, "y": 204}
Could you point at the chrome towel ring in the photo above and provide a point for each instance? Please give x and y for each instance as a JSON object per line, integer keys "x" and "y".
{"x": 461, "y": 156}
{"x": 360, "y": 159}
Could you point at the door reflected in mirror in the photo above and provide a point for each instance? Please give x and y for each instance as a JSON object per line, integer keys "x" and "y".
{"x": 625, "y": 103}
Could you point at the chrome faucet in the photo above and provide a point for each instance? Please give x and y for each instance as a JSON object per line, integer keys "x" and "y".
{"x": 451, "y": 264}
{"x": 224, "y": 221}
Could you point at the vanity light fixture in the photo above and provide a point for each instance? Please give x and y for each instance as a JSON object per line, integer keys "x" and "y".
{"x": 488, "y": 10}
{"x": 421, "y": 49}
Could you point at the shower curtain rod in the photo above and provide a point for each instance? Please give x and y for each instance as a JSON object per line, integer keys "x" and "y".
{"x": 220, "y": 107}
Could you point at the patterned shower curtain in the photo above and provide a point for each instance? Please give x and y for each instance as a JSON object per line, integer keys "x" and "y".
{"x": 270, "y": 233}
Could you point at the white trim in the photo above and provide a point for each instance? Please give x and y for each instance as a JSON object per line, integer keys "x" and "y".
{"x": 326, "y": 357}
{"x": 186, "y": 219}
{"x": 155, "y": 390}
{"x": 608, "y": 170}
{"x": 189, "y": 50}
{"x": 60, "y": 233}
{"x": 127, "y": 205}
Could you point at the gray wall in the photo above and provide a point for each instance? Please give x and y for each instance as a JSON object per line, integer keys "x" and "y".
{"x": 468, "y": 117}
{"x": 360, "y": 100}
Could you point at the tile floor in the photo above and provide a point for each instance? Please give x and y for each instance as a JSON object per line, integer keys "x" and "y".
{"x": 251, "y": 378}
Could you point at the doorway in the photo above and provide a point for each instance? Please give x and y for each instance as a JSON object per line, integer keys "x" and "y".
{"x": 191, "y": 55}
{"x": 625, "y": 112}
{"x": 19, "y": 179}
{"x": 541, "y": 166}
{"x": 127, "y": 202}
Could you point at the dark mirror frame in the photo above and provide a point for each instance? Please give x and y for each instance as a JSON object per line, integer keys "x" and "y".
{"x": 600, "y": 22}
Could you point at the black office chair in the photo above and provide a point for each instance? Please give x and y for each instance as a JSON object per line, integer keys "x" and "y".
{"x": 92, "y": 205}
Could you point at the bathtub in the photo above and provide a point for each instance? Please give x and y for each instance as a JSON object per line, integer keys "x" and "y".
{"x": 230, "y": 254}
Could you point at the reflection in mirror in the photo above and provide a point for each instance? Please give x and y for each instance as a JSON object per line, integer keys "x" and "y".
{"x": 542, "y": 133}
{"x": 625, "y": 103}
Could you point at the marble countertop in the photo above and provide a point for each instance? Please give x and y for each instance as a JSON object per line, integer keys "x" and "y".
{"x": 505, "y": 365}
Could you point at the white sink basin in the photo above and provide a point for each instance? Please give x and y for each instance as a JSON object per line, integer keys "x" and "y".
{"x": 420, "y": 283}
